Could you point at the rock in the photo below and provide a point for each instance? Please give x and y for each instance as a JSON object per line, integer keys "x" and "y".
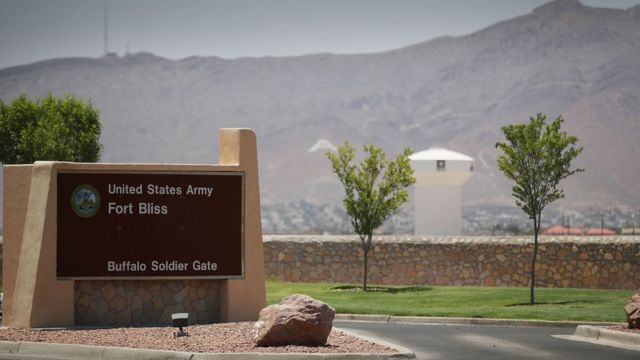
{"x": 632, "y": 308}
{"x": 296, "y": 320}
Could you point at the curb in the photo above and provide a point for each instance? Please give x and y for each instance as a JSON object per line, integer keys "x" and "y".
{"x": 604, "y": 336}
{"x": 74, "y": 351}
{"x": 402, "y": 352}
{"x": 466, "y": 321}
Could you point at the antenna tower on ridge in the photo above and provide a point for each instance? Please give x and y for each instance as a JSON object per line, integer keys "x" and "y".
{"x": 106, "y": 28}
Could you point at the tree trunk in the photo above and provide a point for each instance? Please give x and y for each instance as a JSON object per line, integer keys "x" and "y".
{"x": 536, "y": 228}
{"x": 365, "y": 248}
{"x": 364, "y": 276}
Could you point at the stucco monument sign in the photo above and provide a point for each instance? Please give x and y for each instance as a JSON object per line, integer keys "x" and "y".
{"x": 139, "y": 225}
{"x": 126, "y": 244}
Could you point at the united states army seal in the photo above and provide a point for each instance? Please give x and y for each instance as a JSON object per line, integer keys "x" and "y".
{"x": 85, "y": 201}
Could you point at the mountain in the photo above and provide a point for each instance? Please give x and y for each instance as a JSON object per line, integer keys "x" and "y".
{"x": 563, "y": 58}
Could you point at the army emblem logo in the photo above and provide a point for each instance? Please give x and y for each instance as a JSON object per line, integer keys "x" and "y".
{"x": 85, "y": 201}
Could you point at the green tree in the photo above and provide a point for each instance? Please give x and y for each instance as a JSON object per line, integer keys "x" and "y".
{"x": 374, "y": 189}
{"x": 49, "y": 128}
{"x": 537, "y": 156}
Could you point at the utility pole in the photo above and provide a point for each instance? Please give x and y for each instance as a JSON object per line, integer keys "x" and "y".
{"x": 601, "y": 224}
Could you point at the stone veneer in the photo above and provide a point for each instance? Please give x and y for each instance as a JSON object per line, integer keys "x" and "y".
{"x": 137, "y": 302}
{"x": 610, "y": 262}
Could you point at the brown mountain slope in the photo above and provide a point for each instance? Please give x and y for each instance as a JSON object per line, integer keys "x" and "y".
{"x": 563, "y": 58}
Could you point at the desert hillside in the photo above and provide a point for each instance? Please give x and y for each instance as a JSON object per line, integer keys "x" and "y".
{"x": 563, "y": 58}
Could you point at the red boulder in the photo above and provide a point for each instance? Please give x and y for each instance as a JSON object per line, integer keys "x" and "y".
{"x": 632, "y": 308}
{"x": 296, "y": 320}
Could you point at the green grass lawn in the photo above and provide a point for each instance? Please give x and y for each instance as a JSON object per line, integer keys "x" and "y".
{"x": 467, "y": 301}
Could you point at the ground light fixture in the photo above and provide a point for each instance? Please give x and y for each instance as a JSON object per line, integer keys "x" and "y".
{"x": 180, "y": 320}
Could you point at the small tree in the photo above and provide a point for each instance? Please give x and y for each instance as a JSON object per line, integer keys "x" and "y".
{"x": 50, "y": 128}
{"x": 537, "y": 156}
{"x": 374, "y": 189}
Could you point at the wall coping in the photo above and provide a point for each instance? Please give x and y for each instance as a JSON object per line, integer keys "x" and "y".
{"x": 462, "y": 240}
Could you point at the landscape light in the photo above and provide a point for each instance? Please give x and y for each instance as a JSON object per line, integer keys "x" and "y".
{"x": 180, "y": 320}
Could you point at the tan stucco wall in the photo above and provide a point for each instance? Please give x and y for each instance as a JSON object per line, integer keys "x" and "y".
{"x": 243, "y": 300}
{"x": 38, "y": 299}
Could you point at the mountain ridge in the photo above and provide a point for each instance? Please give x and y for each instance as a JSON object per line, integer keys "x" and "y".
{"x": 562, "y": 58}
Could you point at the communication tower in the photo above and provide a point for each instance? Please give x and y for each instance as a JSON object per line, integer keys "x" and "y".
{"x": 106, "y": 27}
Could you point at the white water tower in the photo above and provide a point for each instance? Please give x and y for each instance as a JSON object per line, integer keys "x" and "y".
{"x": 439, "y": 174}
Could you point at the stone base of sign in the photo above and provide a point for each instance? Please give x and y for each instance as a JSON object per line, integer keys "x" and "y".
{"x": 145, "y": 302}
{"x": 34, "y": 297}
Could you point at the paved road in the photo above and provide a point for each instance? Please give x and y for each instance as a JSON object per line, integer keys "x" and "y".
{"x": 477, "y": 342}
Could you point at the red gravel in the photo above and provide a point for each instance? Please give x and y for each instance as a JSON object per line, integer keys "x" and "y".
{"x": 625, "y": 329}
{"x": 215, "y": 338}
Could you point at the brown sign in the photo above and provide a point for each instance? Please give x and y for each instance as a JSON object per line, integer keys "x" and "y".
{"x": 160, "y": 225}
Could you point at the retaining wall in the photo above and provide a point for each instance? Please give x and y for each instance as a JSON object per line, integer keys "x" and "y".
{"x": 610, "y": 262}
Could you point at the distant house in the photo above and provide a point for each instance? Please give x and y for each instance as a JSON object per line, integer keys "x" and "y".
{"x": 600, "y": 231}
{"x": 563, "y": 230}
{"x": 554, "y": 230}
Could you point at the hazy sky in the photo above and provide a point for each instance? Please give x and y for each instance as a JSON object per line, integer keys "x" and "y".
{"x": 33, "y": 30}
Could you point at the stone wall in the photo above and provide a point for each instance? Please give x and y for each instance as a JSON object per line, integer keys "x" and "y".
{"x": 136, "y": 302}
{"x": 610, "y": 262}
